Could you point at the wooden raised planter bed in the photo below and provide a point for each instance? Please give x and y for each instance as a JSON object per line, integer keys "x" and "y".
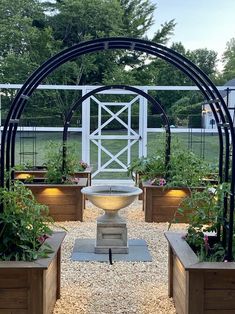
{"x": 160, "y": 204}
{"x": 32, "y": 287}
{"x": 65, "y": 201}
{"x": 198, "y": 287}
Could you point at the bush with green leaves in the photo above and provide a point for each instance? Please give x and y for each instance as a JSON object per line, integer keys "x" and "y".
{"x": 24, "y": 225}
{"x": 54, "y": 163}
{"x": 204, "y": 211}
{"x": 185, "y": 168}
{"x": 147, "y": 167}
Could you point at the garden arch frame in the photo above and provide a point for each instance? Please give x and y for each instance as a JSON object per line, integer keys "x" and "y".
{"x": 153, "y": 101}
{"x": 205, "y": 85}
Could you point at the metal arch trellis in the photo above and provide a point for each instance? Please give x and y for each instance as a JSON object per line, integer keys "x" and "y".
{"x": 153, "y": 101}
{"x": 205, "y": 85}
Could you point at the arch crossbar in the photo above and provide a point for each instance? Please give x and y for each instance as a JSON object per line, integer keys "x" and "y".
{"x": 153, "y": 101}
{"x": 205, "y": 85}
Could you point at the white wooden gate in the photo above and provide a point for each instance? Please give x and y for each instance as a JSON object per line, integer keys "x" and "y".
{"x": 109, "y": 160}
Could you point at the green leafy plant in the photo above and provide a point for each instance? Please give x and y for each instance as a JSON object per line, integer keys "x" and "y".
{"x": 24, "y": 225}
{"x": 147, "y": 167}
{"x": 185, "y": 169}
{"x": 203, "y": 208}
{"x": 54, "y": 161}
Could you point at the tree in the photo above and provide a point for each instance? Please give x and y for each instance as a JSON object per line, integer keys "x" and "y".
{"x": 25, "y": 42}
{"x": 229, "y": 60}
{"x": 205, "y": 59}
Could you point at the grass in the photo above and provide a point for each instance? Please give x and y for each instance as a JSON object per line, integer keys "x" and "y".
{"x": 206, "y": 147}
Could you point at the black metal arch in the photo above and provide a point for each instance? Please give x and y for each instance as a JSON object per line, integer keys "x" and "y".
{"x": 153, "y": 101}
{"x": 205, "y": 85}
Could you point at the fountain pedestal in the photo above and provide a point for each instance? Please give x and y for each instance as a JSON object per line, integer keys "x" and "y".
{"x": 111, "y": 233}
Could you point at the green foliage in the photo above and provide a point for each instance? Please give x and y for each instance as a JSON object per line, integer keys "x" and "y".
{"x": 24, "y": 225}
{"x": 205, "y": 59}
{"x": 185, "y": 168}
{"x": 54, "y": 161}
{"x": 147, "y": 167}
{"x": 183, "y": 106}
{"x": 229, "y": 60}
{"x": 23, "y": 46}
{"x": 204, "y": 211}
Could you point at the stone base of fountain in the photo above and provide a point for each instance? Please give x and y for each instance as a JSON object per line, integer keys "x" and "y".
{"x": 84, "y": 251}
{"x": 111, "y": 235}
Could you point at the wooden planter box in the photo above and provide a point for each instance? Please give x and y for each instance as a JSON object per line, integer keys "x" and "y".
{"x": 198, "y": 287}
{"x": 160, "y": 204}
{"x": 40, "y": 174}
{"x": 32, "y": 287}
{"x": 65, "y": 201}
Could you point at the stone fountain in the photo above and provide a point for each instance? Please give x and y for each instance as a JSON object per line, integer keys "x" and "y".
{"x": 111, "y": 227}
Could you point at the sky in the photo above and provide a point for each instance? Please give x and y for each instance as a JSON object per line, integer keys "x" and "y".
{"x": 200, "y": 23}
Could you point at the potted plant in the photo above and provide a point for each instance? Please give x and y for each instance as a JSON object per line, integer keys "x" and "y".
{"x": 163, "y": 194}
{"x": 29, "y": 254}
{"x": 141, "y": 169}
{"x": 201, "y": 280}
{"x": 60, "y": 189}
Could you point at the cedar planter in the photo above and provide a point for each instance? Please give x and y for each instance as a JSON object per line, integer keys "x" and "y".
{"x": 40, "y": 174}
{"x": 198, "y": 287}
{"x": 65, "y": 201}
{"x": 160, "y": 204}
{"x": 32, "y": 287}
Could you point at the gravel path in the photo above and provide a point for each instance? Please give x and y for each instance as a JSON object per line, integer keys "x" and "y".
{"x": 124, "y": 287}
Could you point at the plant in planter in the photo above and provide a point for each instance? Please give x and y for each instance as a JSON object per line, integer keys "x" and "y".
{"x": 60, "y": 189}
{"x": 29, "y": 254}
{"x": 52, "y": 167}
{"x": 56, "y": 173}
{"x": 200, "y": 278}
{"x": 24, "y": 225}
{"x": 163, "y": 194}
{"x": 144, "y": 168}
{"x": 204, "y": 219}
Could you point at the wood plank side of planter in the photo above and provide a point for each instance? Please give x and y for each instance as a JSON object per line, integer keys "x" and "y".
{"x": 31, "y": 287}
{"x": 65, "y": 202}
{"x": 198, "y": 287}
{"x": 161, "y": 204}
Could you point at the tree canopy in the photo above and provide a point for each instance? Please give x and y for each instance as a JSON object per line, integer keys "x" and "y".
{"x": 34, "y": 30}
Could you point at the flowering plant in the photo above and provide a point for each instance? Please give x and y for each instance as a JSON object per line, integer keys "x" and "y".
{"x": 158, "y": 181}
{"x": 82, "y": 165}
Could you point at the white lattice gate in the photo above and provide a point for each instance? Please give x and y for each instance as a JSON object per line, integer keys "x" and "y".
{"x": 113, "y": 148}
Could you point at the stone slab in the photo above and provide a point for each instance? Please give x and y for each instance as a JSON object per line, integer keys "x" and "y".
{"x": 84, "y": 251}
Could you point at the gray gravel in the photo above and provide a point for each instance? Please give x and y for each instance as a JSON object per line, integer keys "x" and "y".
{"x": 124, "y": 287}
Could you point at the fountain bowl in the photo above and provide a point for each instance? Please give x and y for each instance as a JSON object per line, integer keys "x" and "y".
{"x": 111, "y": 198}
